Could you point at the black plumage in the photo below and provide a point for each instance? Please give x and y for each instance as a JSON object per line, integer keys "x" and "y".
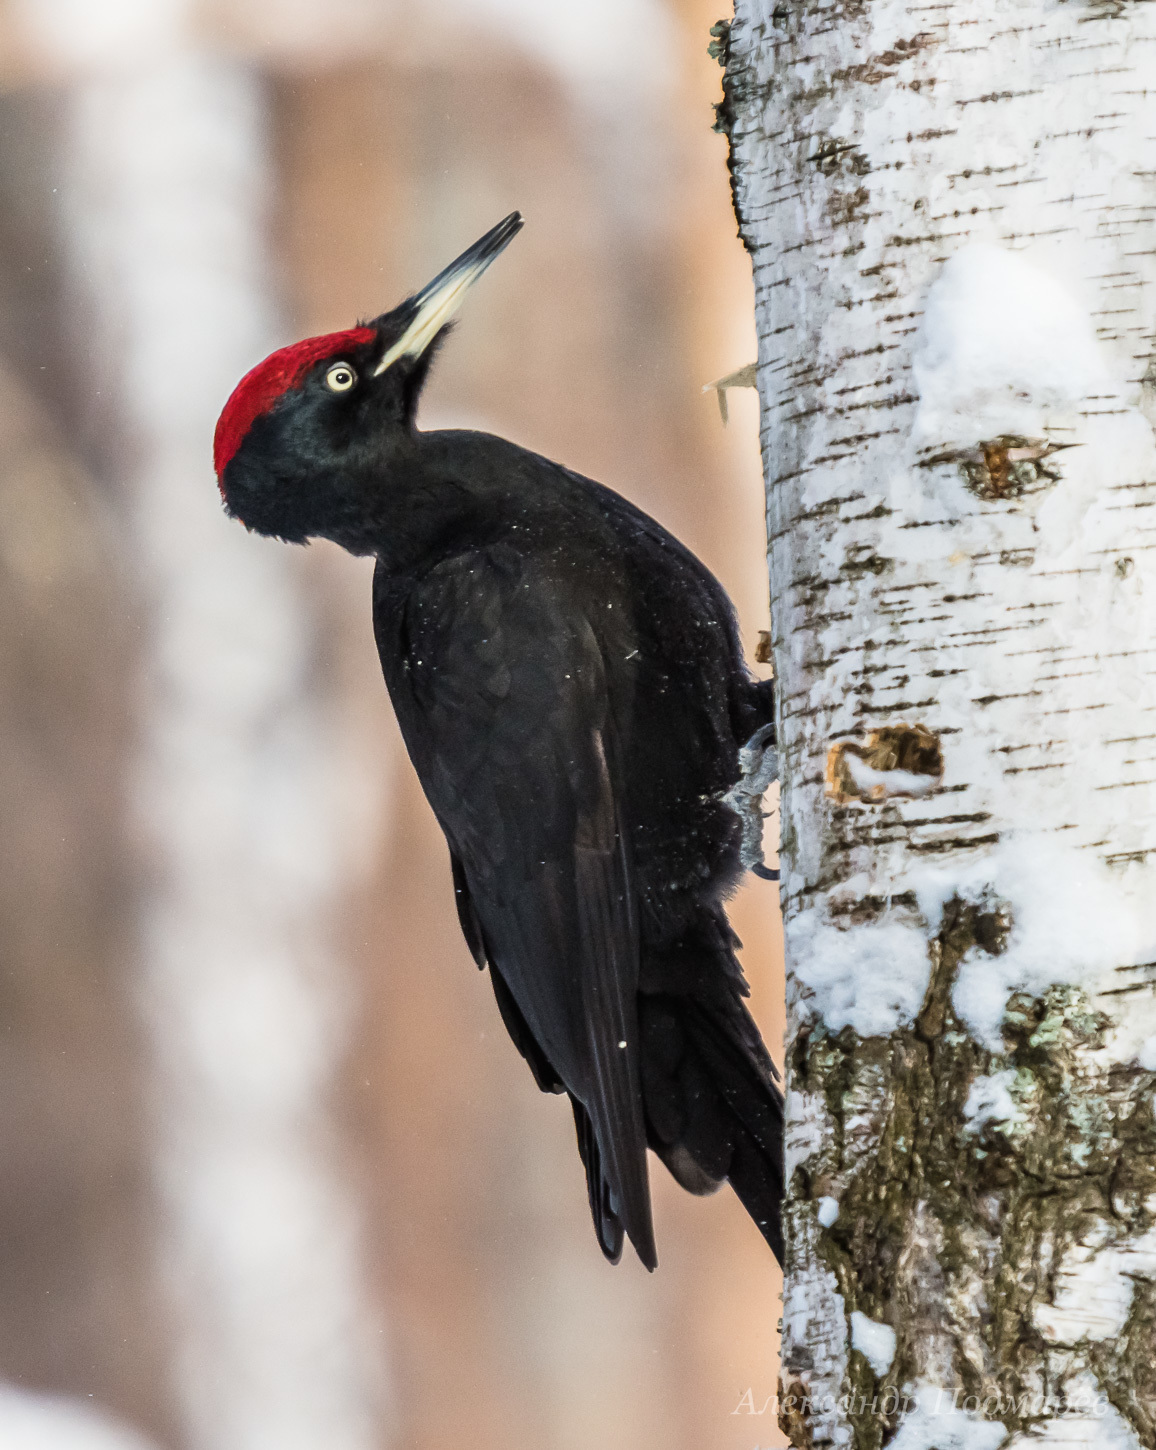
{"x": 571, "y": 689}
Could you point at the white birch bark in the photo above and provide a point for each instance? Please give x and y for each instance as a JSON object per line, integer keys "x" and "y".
{"x": 950, "y": 212}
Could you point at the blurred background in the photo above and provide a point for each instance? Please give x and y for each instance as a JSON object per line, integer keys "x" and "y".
{"x": 271, "y": 1174}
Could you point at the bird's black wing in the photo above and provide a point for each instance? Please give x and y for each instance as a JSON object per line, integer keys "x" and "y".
{"x": 500, "y": 687}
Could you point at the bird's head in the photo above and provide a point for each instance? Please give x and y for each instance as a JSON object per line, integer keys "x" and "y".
{"x": 303, "y": 430}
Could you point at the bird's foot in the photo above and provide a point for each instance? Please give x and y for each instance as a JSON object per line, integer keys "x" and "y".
{"x": 759, "y": 763}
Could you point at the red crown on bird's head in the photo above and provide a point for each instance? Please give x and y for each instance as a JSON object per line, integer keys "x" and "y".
{"x": 260, "y": 388}
{"x": 425, "y": 315}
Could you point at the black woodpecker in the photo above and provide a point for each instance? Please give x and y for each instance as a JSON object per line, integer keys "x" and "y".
{"x": 570, "y": 685}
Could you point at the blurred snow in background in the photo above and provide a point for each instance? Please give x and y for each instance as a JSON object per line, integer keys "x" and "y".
{"x": 51, "y": 1422}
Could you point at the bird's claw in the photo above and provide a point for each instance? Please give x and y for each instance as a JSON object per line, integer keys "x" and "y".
{"x": 759, "y": 764}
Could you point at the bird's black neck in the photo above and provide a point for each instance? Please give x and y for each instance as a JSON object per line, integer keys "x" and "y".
{"x": 400, "y": 503}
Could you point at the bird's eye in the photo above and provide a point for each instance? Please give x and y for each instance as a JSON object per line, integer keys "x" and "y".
{"x": 340, "y": 378}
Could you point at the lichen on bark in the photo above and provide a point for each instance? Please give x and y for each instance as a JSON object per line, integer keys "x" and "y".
{"x": 954, "y": 1235}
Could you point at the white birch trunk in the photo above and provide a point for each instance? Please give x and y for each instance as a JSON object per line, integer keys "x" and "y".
{"x": 950, "y": 211}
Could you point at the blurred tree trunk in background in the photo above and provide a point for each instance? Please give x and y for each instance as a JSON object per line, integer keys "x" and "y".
{"x": 134, "y": 255}
{"x": 78, "y": 1295}
{"x": 950, "y": 214}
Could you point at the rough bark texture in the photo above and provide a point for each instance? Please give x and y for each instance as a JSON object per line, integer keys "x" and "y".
{"x": 949, "y": 209}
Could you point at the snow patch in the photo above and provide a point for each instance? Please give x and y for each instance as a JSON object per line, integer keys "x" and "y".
{"x": 1002, "y": 345}
{"x": 874, "y": 1341}
{"x": 990, "y": 1100}
{"x": 871, "y": 978}
{"x": 52, "y": 1422}
{"x": 1066, "y": 925}
{"x": 1069, "y": 921}
{"x": 937, "y": 1424}
{"x": 828, "y": 1211}
{"x": 878, "y": 785}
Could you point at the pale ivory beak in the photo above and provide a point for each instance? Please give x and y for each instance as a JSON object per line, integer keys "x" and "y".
{"x": 436, "y": 303}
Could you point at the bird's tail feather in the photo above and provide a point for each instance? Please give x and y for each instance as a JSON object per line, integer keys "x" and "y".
{"x": 713, "y": 1108}
{"x": 607, "y": 1224}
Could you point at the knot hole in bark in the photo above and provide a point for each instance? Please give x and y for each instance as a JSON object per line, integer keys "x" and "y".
{"x": 1009, "y": 466}
{"x": 896, "y": 760}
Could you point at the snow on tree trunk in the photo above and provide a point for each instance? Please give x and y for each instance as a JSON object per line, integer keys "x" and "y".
{"x": 950, "y": 212}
